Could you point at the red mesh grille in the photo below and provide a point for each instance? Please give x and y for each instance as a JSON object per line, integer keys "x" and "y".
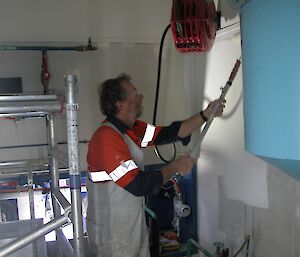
{"x": 193, "y": 23}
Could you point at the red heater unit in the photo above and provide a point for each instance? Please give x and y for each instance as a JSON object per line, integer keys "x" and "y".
{"x": 194, "y": 25}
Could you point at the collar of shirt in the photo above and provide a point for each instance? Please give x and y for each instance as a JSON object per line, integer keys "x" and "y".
{"x": 118, "y": 124}
{"x": 124, "y": 129}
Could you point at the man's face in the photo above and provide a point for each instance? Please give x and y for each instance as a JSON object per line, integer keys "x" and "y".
{"x": 134, "y": 100}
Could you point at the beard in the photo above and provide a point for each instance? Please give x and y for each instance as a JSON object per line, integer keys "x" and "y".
{"x": 139, "y": 112}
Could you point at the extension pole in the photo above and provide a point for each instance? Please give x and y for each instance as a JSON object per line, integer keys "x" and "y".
{"x": 211, "y": 118}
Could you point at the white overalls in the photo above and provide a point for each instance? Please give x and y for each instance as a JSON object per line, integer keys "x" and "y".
{"x": 116, "y": 219}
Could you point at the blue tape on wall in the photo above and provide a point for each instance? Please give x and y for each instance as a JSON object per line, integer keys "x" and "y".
{"x": 271, "y": 65}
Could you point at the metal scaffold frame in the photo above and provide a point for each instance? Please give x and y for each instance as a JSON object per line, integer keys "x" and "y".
{"x": 23, "y": 106}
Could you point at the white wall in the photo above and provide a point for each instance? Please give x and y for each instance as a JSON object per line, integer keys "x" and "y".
{"x": 68, "y": 24}
{"x": 76, "y": 20}
{"x": 44, "y": 21}
{"x": 237, "y": 193}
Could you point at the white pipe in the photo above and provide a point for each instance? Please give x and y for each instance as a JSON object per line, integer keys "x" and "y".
{"x": 13, "y": 173}
{"x": 23, "y": 98}
{"x": 64, "y": 244}
{"x": 23, "y": 115}
{"x": 38, "y": 106}
{"x": 61, "y": 199}
{"x": 24, "y": 163}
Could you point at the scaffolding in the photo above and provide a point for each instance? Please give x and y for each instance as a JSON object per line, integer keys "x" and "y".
{"x": 45, "y": 106}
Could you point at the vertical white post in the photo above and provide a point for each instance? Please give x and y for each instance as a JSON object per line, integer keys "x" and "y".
{"x": 73, "y": 153}
{"x": 54, "y": 172}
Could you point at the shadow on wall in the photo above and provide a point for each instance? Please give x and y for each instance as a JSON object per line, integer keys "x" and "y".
{"x": 228, "y": 8}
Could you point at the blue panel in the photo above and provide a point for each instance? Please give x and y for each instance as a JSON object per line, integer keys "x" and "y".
{"x": 271, "y": 73}
{"x": 291, "y": 167}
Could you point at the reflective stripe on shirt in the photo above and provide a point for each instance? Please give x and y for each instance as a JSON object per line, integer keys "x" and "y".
{"x": 122, "y": 169}
{"x": 115, "y": 175}
{"x": 149, "y": 133}
{"x": 98, "y": 176}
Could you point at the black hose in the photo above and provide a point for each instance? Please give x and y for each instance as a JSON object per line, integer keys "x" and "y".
{"x": 157, "y": 94}
{"x": 158, "y": 72}
{"x": 162, "y": 158}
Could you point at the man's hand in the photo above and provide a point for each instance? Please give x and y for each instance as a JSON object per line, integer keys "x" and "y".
{"x": 184, "y": 165}
{"x": 208, "y": 112}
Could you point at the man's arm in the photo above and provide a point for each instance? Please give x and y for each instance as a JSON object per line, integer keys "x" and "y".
{"x": 150, "y": 182}
{"x": 195, "y": 122}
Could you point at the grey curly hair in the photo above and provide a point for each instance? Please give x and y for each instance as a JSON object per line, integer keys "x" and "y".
{"x": 110, "y": 92}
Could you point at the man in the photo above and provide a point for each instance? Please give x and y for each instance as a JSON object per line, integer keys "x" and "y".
{"x": 116, "y": 182}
